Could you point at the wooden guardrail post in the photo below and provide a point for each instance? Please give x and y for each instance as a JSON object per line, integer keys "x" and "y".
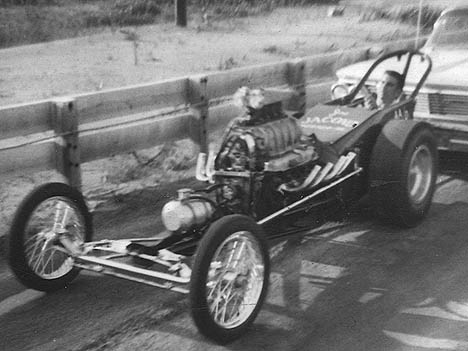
{"x": 297, "y": 82}
{"x": 199, "y": 104}
{"x": 181, "y": 12}
{"x": 68, "y": 151}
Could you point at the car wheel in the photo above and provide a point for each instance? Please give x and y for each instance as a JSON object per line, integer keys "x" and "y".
{"x": 229, "y": 279}
{"x": 403, "y": 172}
{"x": 36, "y": 255}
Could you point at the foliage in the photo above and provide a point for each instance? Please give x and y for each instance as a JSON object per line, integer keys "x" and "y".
{"x": 26, "y": 2}
{"x": 404, "y": 14}
{"x": 135, "y": 12}
{"x": 227, "y": 64}
{"x": 32, "y": 24}
{"x": 244, "y": 8}
{"x": 30, "y": 21}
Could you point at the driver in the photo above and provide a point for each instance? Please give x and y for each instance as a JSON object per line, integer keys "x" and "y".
{"x": 389, "y": 90}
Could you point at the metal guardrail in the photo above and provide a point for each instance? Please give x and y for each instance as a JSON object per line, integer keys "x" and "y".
{"x": 63, "y": 133}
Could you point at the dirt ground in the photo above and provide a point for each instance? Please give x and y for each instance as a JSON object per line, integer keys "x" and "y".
{"x": 109, "y": 60}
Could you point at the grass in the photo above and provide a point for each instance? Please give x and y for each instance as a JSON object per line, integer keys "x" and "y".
{"x": 32, "y": 21}
{"x": 49, "y": 20}
{"x": 227, "y": 64}
{"x": 404, "y": 14}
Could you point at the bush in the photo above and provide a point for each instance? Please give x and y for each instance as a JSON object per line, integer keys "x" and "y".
{"x": 127, "y": 12}
{"x": 4, "y": 3}
{"x": 31, "y": 24}
{"x": 404, "y": 14}
{"x": 410, "y": 15}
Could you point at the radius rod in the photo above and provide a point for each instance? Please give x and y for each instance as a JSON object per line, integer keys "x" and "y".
{"x": 308, "y": 197}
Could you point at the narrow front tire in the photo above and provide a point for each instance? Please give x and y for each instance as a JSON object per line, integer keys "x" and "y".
{"x": 230, "y": 277}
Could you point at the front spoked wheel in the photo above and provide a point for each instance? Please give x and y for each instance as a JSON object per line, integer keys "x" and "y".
{"x": 49, "y": 223}
{"x": 229, "y": 278}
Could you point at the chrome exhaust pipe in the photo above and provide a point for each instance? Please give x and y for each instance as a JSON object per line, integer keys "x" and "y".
{"x": 336, "y": 168}
{"x": 210, "y": 166}
{"x": 305, "y": 184}
{"x": 349, "y": 158}
{"x": 200, "y": 172}
{"x": 323, "y": 173}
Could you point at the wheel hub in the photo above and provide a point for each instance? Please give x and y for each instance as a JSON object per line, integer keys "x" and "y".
{"x": 421, "y": 169}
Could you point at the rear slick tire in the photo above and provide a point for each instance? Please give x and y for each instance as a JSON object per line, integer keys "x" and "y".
{"x": 229, "y": 279}
{"x": 403, "y": 172}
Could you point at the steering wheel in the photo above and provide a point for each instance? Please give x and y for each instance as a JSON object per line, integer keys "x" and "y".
{"x": 363, "y": 95}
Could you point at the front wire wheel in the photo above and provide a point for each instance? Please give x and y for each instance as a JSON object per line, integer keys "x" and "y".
{"x": 229, "y": 278}
{"x": 49, "y": 216}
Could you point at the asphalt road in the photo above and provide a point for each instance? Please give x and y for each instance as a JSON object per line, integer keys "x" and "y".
{"x": 348, "y": 285}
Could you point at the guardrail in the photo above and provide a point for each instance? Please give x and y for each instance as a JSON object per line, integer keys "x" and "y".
{"x": 62, "y": 133}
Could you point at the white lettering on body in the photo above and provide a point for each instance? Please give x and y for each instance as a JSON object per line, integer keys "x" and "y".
{"x": 330, "y": 119}
{"x": 333, "y": 118}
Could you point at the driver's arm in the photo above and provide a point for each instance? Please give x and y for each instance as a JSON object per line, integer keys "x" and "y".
{"x": 370, "y": 102}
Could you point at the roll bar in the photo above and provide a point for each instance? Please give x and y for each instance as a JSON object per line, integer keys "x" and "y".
{"x": 347, "y": 99}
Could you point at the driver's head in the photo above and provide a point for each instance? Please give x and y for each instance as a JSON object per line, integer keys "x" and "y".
{"x": 389, "y": 88}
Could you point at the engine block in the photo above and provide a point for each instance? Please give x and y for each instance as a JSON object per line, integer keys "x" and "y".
{"x": 271, "y": 144}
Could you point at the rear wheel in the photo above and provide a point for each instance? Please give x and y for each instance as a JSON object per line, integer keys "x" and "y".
{"x": 229, "y": 279}
{"x": 403, "y": 172}
{"x": 37, "y": 256}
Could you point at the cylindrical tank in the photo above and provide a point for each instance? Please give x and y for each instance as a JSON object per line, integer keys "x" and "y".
{"x": 186, "y": 212}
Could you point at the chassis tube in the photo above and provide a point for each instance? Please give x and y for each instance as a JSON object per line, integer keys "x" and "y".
{"x": 307, "y": 198}
{"x": 132, "y": 269}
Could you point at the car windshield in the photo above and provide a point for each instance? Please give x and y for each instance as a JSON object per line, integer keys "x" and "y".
{"x": 450, "y": 31}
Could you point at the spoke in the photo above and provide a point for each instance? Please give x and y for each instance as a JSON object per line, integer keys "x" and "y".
{"x": 33, "y": 247}
{"x": 228, "y": 300}
{"x": 228, "y": 286}
{"x": 240, "y": 251}
{"x": 232, "y": 253}
{"x": 222, "y": 297}
{"x": 216, "y": 306}
{"x": 48, "y": 259}
{"x": 38, "y": 262}
{"x": 215, "y": 299}
{"x": 217, "y": 282}
{"x": 36, "y": 251}
{"x": 223, "y": 313}
{"x": 52, "y": 264}
{"x": 34, "y": 238}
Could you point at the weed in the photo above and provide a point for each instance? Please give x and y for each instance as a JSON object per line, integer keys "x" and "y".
{"x": 275, "y": 50}
{"x": 130, "y": 35}
{"x": 272, "y": 49}
{"x": 224, "y": 65}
